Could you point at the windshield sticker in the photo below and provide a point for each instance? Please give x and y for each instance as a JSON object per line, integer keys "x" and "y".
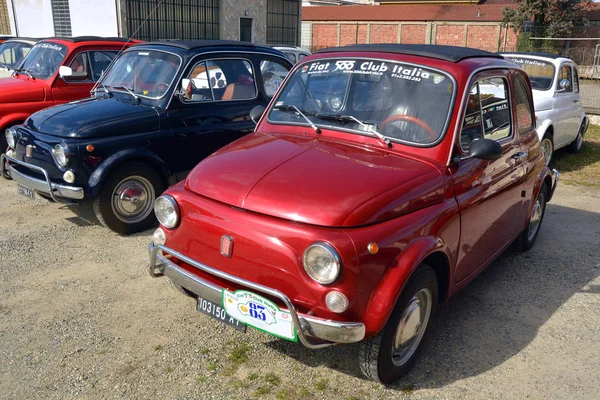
{"x": 376, "y": 68}
{"x": 50, "y": 46}
{"x": 528, "y": 62}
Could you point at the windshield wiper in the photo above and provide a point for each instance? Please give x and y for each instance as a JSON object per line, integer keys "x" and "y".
{"x": 290, "y": 107}
{"x": 129, "y": 90}
{"x": 349, "y": 118}
{"x": 4, "y": 65}
{"x": 23, "y": 70}
{"x": 103, "y": 87}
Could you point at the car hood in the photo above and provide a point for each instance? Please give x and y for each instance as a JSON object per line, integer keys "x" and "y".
{"x": 20, "y": 90}
{"x": 95, "y": 118}
{"x": 316, "y": 181}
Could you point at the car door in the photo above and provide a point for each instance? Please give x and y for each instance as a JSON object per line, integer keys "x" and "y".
{"x": 565, "y": 101}
{"x": 488, "y": 192}
{"x": 213, "y": 106}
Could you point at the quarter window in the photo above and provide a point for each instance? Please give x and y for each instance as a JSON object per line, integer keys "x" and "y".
{"x": 565, "y": 74}
{"x": 487, "y": 113}
{"x": 225, "y": 80}
{"x": 273, "y": 74}
{"x": 523, "y": 104}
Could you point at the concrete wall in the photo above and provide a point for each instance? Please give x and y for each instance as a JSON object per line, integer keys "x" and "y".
{"x": 231, "y": 12}
{"x": 34, "y": 18}
{"x": 488, "y": 36}
{"x": 94, "y": 17}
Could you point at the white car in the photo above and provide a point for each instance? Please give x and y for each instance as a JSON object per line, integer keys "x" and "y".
{"x": 12, "y": 53}
{"x": 561, "y": 121}
{"x": 294, "y": 53}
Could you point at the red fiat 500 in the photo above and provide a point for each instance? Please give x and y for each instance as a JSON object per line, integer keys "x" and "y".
{"x": 380, "y": 180}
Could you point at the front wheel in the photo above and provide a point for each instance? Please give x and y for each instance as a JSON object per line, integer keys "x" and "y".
{"x": 126, "y": 199}
{"x": 391, "y": 354}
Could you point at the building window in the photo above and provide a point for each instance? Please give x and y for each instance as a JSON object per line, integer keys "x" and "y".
{"x": 62, "y": 17}
{"x": 282, "y": 21}
{"x": 174, "y": 19}
{"x": 4, "y": 21}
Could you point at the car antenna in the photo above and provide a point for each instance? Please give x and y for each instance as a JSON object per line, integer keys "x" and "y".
{"x": 129, "y": 39}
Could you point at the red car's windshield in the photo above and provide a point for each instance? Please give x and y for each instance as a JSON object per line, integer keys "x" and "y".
{"x": 44, "y": 59}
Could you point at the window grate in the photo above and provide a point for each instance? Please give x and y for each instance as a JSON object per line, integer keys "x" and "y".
{"x": 282, "y": 21}
{"x": 173, "y": 19}
{"x": 61, "y": 15}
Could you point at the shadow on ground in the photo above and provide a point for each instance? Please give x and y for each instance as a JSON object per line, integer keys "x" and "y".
{"x": 499, "y": 313}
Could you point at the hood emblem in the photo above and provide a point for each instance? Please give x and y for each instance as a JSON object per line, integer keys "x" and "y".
{"x": 29, "y": 150}
{"x": 226, "y": 245}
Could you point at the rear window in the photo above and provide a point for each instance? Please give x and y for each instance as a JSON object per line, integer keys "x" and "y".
{"x": 541, "y": 73}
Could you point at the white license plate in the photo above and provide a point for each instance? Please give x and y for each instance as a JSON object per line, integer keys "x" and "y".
{"x": 259, "y": 313}
{"x": 24, "y": 191}
{"x": 218, "y": 312}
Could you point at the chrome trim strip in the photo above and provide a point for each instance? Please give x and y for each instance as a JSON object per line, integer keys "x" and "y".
{"x": 330, "y": 331}
{"x": 45, "y": 187}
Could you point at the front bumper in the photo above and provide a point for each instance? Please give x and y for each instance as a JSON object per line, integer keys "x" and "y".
{"x": 45, "y": 187}
{"x": 555, "y": 178}
{"x": 327, "y": 331}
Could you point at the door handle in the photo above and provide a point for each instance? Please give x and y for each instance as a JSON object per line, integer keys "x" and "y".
{"x": 519, "y": 156}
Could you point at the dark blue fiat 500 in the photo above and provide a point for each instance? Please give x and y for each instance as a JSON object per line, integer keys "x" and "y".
{"x": 159, "y": 109}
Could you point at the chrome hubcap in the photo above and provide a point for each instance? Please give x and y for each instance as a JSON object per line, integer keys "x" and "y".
{"x": 536, "y": 217}
{"x": 132, "y": 199}
{"x": 412, "y": 326}
{"x": 547, "y": 150}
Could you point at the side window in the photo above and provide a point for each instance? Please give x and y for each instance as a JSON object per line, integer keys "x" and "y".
{"x": 100, "y": 61}
{"x": 487, "y": 113}
{"x": 273, "y": 74}
{"x": 80, "y": 67}
{"x": 523, "y": 104}
{"x": 565, "y": 75}
{"x": 575, "y": 80}
{"x": 196, "y": 87}
{"x": 231, "y": 79}
{"x": 301, "y": 56}
{"x": 291, "y": 56}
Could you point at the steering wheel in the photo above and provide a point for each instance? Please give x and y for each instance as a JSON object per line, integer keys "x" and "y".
{"x": 409, "y": 118}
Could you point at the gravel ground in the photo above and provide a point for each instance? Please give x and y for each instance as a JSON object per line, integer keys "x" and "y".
{"x": 81, "y": 317}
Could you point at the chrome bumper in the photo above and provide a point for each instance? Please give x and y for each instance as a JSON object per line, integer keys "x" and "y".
{"x": 41, "y": 186}
{"x": 555, "y": 177}
{"x": 331, "y": 332}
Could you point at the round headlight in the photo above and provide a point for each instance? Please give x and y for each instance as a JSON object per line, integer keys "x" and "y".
{"x": 11, "y": 137}
{"x": 167, "y": 211}
{"x": 61, "y": 154}
{"x": 322, "y": 262}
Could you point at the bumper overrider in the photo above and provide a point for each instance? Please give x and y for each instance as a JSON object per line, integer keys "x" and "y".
{"x": 327, "y": 331}
{"x": 45, "y": 187}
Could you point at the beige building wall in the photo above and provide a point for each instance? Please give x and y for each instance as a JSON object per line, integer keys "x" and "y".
{"x": 231, "y": 12}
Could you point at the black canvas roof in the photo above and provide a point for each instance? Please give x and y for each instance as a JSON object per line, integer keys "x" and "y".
{"x": 195, "y": 44}
{"x": 447, "y": 53}
{"x": 78, "y": 39}
{"x": 525, "y": 54}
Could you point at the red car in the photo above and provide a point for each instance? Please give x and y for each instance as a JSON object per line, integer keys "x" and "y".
{"x": 37, "y": 82}
{"x": 380, "y": 181}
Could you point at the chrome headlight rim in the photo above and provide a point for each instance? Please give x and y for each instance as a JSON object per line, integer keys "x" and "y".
{"x": 336, "y": 259}
{"x": 11, "y": 137}
{"x": 61, "y": 154}
{"x": 175, "y": 208}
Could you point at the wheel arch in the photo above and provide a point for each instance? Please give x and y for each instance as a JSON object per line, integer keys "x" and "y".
{"x": 107, "y": 166}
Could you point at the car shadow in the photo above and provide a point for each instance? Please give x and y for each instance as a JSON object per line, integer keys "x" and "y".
{"x": 499, "y": 313}
{"x": 567, "y": 162}
{"x": 85, "y": 216}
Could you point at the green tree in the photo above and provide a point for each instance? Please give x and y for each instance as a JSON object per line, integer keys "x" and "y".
{"x": 551, "y": 18}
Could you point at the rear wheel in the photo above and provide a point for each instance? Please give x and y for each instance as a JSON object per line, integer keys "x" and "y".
{"x": 575, "y": 145}
{"x": 527, "y": 238}
{"x": 391, "y": 354}
{"x": 547, "y": 147}
{"x": 126, "y": 199}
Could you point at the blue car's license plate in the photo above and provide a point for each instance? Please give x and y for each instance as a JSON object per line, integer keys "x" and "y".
{"x": 22, "y": 190}
{"x": 218, "y": 312}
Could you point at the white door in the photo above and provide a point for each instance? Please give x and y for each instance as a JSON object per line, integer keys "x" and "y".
{"x": 565, "y": 103}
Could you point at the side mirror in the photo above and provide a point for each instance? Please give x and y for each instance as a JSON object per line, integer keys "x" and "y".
{"x": 484, "y": 149}
{"x": 563, "y": 85}
{"x": 256, "y": 113}
{"x": 64, "y": 71}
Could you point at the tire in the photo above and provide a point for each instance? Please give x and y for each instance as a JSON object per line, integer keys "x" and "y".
{"x": 575, "y": 145}
{"x": 376, "y": 355}
{"x": 547, "y": 144}
{"x": 527, "y": 238}
{"x": 126, "y": 199}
